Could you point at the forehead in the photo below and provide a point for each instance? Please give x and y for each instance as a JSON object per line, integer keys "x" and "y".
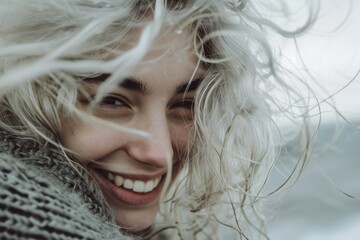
{"x": 168, "y": 44}
{"x": 170, "y": 56}
{"x": 169, "y": 63}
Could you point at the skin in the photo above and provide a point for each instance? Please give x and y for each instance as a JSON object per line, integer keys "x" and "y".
{"x": 163, "y": 110}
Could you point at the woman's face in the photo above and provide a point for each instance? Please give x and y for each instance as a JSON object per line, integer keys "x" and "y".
{"x": 131, "y": 169}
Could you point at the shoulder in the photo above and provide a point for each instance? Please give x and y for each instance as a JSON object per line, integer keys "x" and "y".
{"x": 31, "y": 206}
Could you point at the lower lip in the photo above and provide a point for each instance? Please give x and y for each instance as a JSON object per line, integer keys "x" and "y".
{"x": 126, "y": 196}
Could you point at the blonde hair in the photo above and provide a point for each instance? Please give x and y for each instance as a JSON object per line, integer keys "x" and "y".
{"x": 46, "y": 46}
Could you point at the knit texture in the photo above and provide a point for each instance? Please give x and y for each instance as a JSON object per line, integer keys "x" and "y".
{"x": 42, "y": 196}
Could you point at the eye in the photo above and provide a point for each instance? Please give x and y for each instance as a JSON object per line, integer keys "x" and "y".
{"x": 182, "y": 110}
{"x": 113, "y": 106}
{"x": 113, "y": 101}
{"x": 185, "y": 103}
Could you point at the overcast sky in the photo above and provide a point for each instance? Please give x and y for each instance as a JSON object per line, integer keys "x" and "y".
{"x": 331, "y": 52}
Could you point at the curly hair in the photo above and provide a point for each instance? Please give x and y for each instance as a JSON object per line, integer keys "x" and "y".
{"x": 48, "y": 45}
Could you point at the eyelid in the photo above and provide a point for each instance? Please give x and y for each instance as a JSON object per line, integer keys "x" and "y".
{"x": 124, "y": 101}
{"x": 182, "y": 101}
{"x": 181, "y": 111}
{"x": 118, "y": 97}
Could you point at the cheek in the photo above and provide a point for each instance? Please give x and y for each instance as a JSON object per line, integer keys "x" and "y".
{"x": 89, "y": 141}
{"x": 182, "y": 138}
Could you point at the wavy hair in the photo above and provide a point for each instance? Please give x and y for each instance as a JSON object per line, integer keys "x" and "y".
{"x": 47, "y": 46}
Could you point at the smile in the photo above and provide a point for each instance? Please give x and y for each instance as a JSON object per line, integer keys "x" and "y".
{"x": 134, "y": 191}
{"x": 133, "y": 185}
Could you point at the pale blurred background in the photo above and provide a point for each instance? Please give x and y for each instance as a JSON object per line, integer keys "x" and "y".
{"x": 318, "y": 206}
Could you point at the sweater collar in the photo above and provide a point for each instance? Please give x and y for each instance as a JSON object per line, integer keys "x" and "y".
{"x": 57, "y": 167}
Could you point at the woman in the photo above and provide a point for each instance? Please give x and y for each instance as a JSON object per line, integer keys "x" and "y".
{"x": 111, "y": 110}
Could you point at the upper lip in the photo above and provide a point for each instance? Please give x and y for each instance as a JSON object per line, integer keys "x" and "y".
{"x": 143, "y": 177}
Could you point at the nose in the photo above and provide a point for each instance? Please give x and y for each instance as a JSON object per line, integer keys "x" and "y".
{"x": 156, "y": 149}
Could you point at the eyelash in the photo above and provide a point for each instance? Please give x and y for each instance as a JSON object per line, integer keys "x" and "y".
{"x": 116, "y": 105}
{"x": 113, "y": 99}
{"x": 182, "y": 111}
{"x": 184, "y": 103}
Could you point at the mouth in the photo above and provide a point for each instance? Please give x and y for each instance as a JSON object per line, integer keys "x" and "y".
{"x": 137, "y": 186}
{"x": 128, "y": 190}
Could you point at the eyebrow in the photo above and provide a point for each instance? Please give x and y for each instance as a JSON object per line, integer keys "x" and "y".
{"x": 189, "y": 86}
{"x": 133, "y": 84}
{"x": 129, "y": 83}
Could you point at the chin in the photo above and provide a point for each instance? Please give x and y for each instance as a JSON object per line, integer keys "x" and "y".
{"x": 137, "y": 228}
{"x": 136, "y": 221}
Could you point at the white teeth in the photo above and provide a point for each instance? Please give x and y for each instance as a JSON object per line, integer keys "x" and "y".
{"x": 134, "y": 185}
{"x": 139, "y": 186}
{"x": 119, "y": 180}
{"x": 110, "y": 176}
{"x": 149, "y": 186}
{"x": 156, "y": 182}
{"x": 128, "y": 184}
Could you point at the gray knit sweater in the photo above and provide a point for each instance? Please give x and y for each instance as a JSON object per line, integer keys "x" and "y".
{"x": 43, "y": 197}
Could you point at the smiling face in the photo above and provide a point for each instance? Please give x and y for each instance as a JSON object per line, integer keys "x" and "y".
{"x": 131, "y": 169}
